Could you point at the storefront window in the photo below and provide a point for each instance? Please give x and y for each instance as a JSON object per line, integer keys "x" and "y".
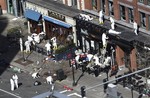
{"x": 94, "y": 4}
{"x": 131, "y": 14}
{"x": 122, "y": 12}
{"x": 74, "y": 2}
{"x": 142, "y": 20}
{"x": 111, "y": 8}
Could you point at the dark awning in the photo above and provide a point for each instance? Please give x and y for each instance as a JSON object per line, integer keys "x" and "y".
{"x": 143, "y": 38}
{"x": 58, "y": 22}
{"x": 33, "y": 15}
{"x": 125, "y": 46}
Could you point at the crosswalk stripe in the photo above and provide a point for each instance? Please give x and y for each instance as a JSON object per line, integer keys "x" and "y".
{"x": 63, "y": 91}
{"x": 74, "y": 94}
{"x": 10, "y": 93}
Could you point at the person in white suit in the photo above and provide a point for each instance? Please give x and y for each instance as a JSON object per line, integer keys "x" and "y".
{"x": 27, "y": 44}
{"x": 86, "y": 17}
{"x": 104, "y": 40}
{"x": 12, "y": 85}
{"x": 49, "y": 79}
{"x": 112, "y": 23}
{"x": 54, "y": 41}
{"x": 21, "y": 44}
{"x": 35, "y": 75}
{"x": 15, "y": 78}
{"x": 48, "y": 47}
{"x": 101, "y": 15}
{"x": 135, "y": 26}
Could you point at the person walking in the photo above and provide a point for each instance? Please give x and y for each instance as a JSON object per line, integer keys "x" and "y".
{"x": 12, "y": 86}
{"x": 15, "y": 79}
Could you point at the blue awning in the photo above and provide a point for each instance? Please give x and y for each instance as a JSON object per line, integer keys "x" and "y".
{"x": 58, "y": 22}
{"x": 32, "y": 15}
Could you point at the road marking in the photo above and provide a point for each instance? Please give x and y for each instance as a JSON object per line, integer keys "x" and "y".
{"x": 63, "y": 91}
{"x": 10, "y": 93}
{"x": 76, "y": 94}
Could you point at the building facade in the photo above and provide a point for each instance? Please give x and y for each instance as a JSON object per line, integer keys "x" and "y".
{"x": 3, "y": 6}
{"x": 124, "y": 12}
{"x": 15, "y": 7}
{"x": 55, "y": 22}
{"x": 59, "y": 22}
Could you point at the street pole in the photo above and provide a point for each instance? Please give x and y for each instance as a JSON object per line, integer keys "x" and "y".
{"x": 73, "y": 77}
{"x": 24, "y": 60}
{"x": 132, "y": 91}
{"x": 21, "y": 45}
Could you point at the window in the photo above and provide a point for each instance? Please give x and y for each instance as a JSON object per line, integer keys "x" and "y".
{"x": 142, "y": 20}
{"x": 148, "y": 2}
{"x": 103, "y": 5}
{"x": 111, "y": 8}
{"x": 131, "y": 14}
{"x": 74, "y": 2}
{"x": 94, "y": 4}
{"x": 122, "y": 12}
{"x": 141, "y": 1}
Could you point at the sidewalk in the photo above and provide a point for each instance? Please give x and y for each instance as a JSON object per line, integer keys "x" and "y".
{"x": 86, "y": 80}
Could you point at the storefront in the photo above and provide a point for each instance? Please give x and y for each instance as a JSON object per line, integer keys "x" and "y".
{"x": 55, "y": 22}
{"x": 89, "y": 38}
{"x": 34, "y": 21}
{"x": 57, "y": 28}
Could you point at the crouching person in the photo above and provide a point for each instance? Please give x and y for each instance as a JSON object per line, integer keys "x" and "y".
{"x": 49, "y": 80}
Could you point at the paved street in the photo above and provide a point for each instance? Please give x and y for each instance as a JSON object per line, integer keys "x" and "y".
{"x": 6, "y": 94}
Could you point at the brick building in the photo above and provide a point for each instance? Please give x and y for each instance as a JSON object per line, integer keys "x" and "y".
{"x": 3, "y": 6}
{"x": 125, "y": 12}
{"x": 130, "y": 49}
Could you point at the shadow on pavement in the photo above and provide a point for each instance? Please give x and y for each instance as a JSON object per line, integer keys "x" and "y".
{"x": 7, "y": 52}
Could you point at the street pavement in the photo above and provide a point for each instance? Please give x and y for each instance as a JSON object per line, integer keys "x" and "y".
{"x": 27, "y": 83}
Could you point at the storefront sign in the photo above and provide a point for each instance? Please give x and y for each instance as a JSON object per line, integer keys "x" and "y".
{"x": 56, "y": 15}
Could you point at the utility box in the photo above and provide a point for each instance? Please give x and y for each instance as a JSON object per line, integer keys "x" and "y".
{"x": 112, "y": 91}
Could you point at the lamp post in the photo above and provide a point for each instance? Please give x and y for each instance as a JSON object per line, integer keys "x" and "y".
{"x": 132, "y": 91}
{"x": 72, "y": 62}
{"x": 73, "y": 77}
{"x": 22, "y": 48}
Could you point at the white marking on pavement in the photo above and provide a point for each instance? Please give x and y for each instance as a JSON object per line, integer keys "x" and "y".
{"x": 71, "y": 94}
{"x": 63, "y": 91}
{"x": 76, "y": 94}
{"x": 10, "y": 93}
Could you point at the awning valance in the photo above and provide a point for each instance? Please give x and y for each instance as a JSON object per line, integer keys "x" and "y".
{"x": 58, "y": 22}
{"x": 33, "y": 15}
